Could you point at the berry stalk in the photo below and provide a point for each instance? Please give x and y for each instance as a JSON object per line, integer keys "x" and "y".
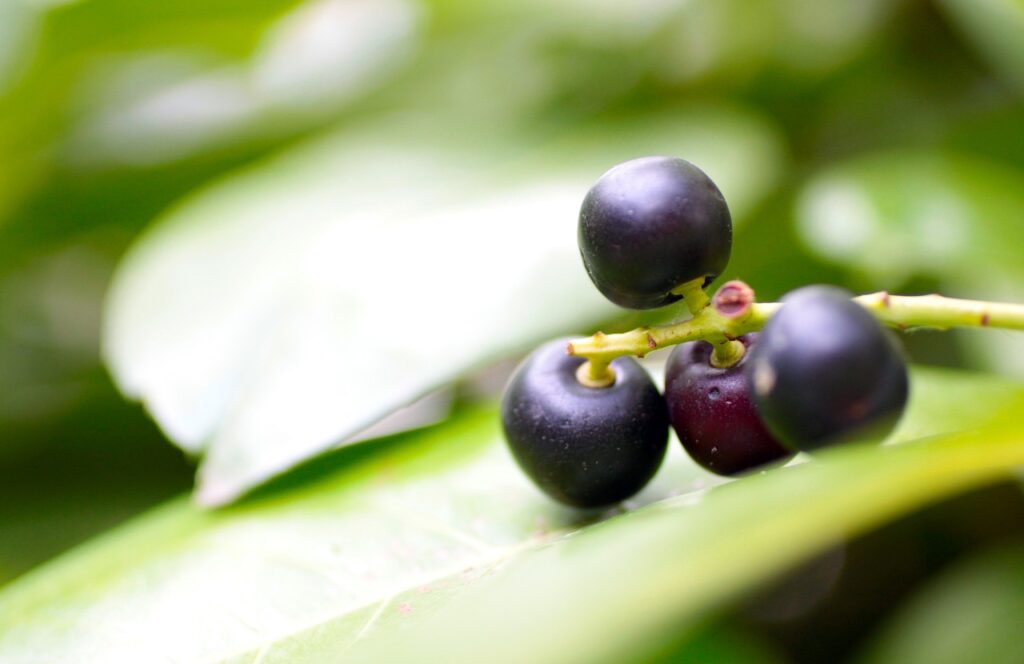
{"x": 733, "y": 313}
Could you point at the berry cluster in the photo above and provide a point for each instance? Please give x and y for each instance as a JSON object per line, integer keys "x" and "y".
{"x": 592, "y": 431}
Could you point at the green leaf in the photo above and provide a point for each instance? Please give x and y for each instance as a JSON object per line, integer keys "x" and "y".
{"x": 994, "y": 27}
{"x": 433, "y": 542}
{"x": 17, "y": 27}
{"x": 721, "y": 645}
{"x": 971, "y": 613}
{"x": 290, "y": 307}
{"x": 947, "y": 217}
{"x": 58, "y": 60}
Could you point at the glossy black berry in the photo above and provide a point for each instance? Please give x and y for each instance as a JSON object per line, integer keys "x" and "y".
{"x": 825, "y": 371}
{"x": 712, "y": 412}
{"x": 650, "y": 225}
{"x": 584, "y": 446}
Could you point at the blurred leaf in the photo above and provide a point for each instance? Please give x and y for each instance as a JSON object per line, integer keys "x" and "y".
{"x": 432, "y": 545}
{"x": 194, "y": 78}
{"x": 289, "y": 308}
{"x": 953, "y": 218}
{"x": 18, "y": 24}
{"x": 57, "y": 50}
{"x": 152, "y": 106}
{"x": 815, "y": 37}
{"x": 719, "y": 644}
{"x": 894, "y": 216}
{"x": 995, "y": 27}
{"x": 73, "y": 474}
{"x": 972, "y": 613}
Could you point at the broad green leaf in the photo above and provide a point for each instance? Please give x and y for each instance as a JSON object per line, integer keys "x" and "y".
{"x": 421, "y": 512}
{"x": 433, "y": 545}
{"x": 972, "y": 613}
{"x": 288, "y": 308}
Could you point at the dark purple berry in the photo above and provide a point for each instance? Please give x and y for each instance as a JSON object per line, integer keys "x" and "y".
{"x": 584, "y": 446}
{"x": 650, "y": 225}
{"x": 825, "y": 371}
{"x": 713, "y": 414}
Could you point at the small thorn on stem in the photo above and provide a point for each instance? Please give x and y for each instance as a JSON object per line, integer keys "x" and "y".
{"x": 651, "y": 343}
{"x": 886, "y": 300}
{"x": 984, "y": 319}
{"x": 733, "y": 299}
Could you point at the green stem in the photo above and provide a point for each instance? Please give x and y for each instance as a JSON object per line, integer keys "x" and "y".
{"x": 693, "y": 295}
{"x": 902, "y": 311}
{"x": 727, "y": 353}
{"x": 596, "y": 373}
{"x": 905, "y": 311}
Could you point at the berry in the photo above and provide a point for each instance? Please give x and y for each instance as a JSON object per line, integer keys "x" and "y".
{"x": 650, "y": 225}
{"x": 584, "y": 446}
{"x": 825, "y": 371}
{"x": 712, "y": 412}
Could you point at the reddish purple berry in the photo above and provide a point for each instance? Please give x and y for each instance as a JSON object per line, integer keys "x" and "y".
{"x": 712, "y": 412}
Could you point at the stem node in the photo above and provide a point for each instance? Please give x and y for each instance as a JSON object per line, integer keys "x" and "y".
{"x": 733, "y": 299}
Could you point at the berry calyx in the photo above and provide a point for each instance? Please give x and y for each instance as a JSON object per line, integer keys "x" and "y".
{"x": 651, "y": 225}
{"x": 825, "y": 371}
{"x": 584, "y": 446}
{"x": 712, "y": 412}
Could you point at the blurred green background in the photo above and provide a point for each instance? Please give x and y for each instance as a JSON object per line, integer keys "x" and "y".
{"x": 890, "y": 155}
